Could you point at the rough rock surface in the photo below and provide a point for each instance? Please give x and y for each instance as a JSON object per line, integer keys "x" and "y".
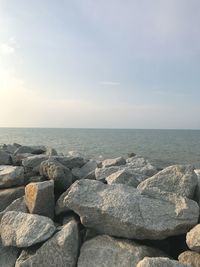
{"x": 193, "y": 238}
{"x": 7, "y": 196}
{"x": 32, "y": 164}
{"x": 11, "y": 176}
{"x": 122, "y": 177}
{"x": 8, "y": 255}
{"x": 190, "y": 258}
{"x": 159, "y": 262}
{"x": 179, "y": 179}
{"x": 71, "y": 161}
{"x": 23, "y": 230}
{"x": 60, "y": 250}
{"x": 123, "y": 211}
{"x": 113, "y": 162}
{"x": 40, "y": 198}
{"x": 36, "y": 150}
{"x": 53, "y": 170}
{"x": 5, "y": 158}
{"x": 108, "y": 251}
{"x": 102, "y": 173}
{"x": 82, "y": 172}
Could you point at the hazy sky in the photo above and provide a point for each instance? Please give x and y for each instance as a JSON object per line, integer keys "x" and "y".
{"x": 100, "y": 63}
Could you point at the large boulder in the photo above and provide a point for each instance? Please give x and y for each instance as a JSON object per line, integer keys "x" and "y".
{"x": 24, "y": 230}
{"x": 7, "y": 196}
{"x": 102, "y": 173}
{"x": 5, "y": 158}
{"x": 32, "y": 164}
{"x": 60, "y": 250}
{"x": 159, "y": 262}
{"x": 190, "y": 258}
{"x": 11, "y": 176}
{"x": 108, "y": 251}
{"x": 122, "y": 177}
{"x": 120, "y": 210}
{"x": 85, "y": 170}
{"x": 40, "y": 198}
{"x": 71, "y": 161}
{"x": 8, "y": 255}
{"x": 113, "y": 162}
{"x": 178, "y": 179}
{"x": 54, "y": 170}
{"x": 36, "y": 150}
{"x": 193, "y": 238}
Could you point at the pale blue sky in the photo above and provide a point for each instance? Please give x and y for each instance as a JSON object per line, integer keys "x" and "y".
{"x": 108, "y": 63}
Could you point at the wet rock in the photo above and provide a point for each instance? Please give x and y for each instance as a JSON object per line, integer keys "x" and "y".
{"x": 5, "y": 158}
{"x": 193, "y": 238}
{"x": 178, "y": 179}
{"x": 11, "y": 176}
{"x": 8, "y": 255}
{"x": 23, "y": 230}
{"x": 108, "y": 251}
{"x": 122, "y": 211}
{"x": 113, "y": 162}
{"x": 159, "y": 262}
{"x": 60, "y": 250}
{"x": 122, "y": 177}
{"x": 7, "y": 196}
{"x": 190, "y": 258}
{"x": 40, "y": 198}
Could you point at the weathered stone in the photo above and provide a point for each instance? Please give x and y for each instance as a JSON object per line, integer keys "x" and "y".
{"x": 16, "y": 205}
{"x": 84, "y": 171}
{"x": 51, "y": 151}
{"x": 178, "y": 179}
{"x": 123, "y": 211}
{"x": 40, "y": 198}
{"x": 190, "y": 258}
{"x": 60, "y": 205}
{"x": 193, "y": 238}
{"x": 32, "y": 164}
{"x": 70, "y": 161}
{"x": 23, "y": 230}
{"x": 7, "y": 196}
{"x": 113, "y": 162}
{"x": 197, "y": 193}
{"x": 5, "y": 158}
{"x": 11, "y": 176}
{"x": 8, "y": 255}
{"x": 122, "y": 177}
{"x": 54, "y": 170}
{"x": 108, "y": 251}
{"x": 60, "y": 250}
{"x": 17, "y": 159}
{"x": 36, "y": 150}
{"x": 159, "y": 262}
{"x": 102, "y": 173}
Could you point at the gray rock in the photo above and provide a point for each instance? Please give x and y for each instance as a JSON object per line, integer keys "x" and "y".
{"x": 10, "y": 149}
{"x": 159, "y": 262}
{"x": 51, "y": 151}
{"x": 85, "y": 170}
{"x": 102, "y": 173}
{"x": 108, "y": 251}
{"x": 17, "y": 159}
{"x": 54, "y": 170}
{"x": 190, "y": 258}
{"x": 120, "y": 210}
{"x": 7, "y": 196}
{"x": 178, "y": 179}
{"x": 32, "y": 164}
{"x": 70, "y": 161}
{"x": 39, "y": 198}
{"x": 122, "y": 177}
{"x": 60, "y": 205}
{"x": 24, "y": 230}
{"x": 5, "y": 158}
{"x": 60, "y": 250}
{"x": 113, "y": 162}
{"x": 8, "y": 255}
{"x": 197, "y": 193}
{"x": 36, "y": 150}
{"x": 16, "y": 205}
{"x": 11, "y": 176}
{"x": 193, "y": 238}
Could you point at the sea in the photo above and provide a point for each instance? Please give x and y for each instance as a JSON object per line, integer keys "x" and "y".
{"x": 161, "y": 147}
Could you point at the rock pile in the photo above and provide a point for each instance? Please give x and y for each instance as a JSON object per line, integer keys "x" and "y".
{"x": 67, "y": 211}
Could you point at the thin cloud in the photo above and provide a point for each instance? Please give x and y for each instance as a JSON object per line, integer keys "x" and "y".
{"x": 110, "y": 83}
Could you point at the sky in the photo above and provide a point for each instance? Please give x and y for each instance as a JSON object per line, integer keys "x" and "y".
{"x": 100, "y": 64}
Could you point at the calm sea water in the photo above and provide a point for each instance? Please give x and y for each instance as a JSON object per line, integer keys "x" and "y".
{"x": 162, "y": 147}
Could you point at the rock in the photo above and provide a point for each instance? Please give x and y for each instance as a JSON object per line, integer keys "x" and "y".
{"x": 54, "y": 170}
{"x": 60, "y": 205}
{"x": 102, "y": 173}
{"x": 11, "y": 176}
{"x": 7, "y": 196}
{"x": 17, "y": 159}
{"x": 159, "y": 262}
{"x": 8, "y": 255}
{"x": 51, "y": 151}
{"x": 70, "y": 161}
{"x": 85, "y": 170}
{"x": 39, "y": 198}
{"x": 178, "y": 179}
{"x": 122, "y": 177}
{"x": 113, "y": 162}
{"x": 24, "y": 230}
{"x": 197, "y": 193}
{"x": 60, "y": 250}
{"x": 16, "y": 205}
{"x": 193, "y": 238}
{"x": 131, "y": 154}
{"x": 32, "y": 164}
{"x": 190, "y": 258}
{"x": 36, "y": 150}
{"x": 104, "y": 250}
{"x": 5, "y": 158}
{"x": 122, "y": 211}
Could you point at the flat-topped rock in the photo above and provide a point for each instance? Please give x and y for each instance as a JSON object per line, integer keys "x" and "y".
{"x": 160, "y": 262}
{"x": 11, "y": 176}
{"x": 190, "y": 258}
{"x": 178, "y": 179}
{"x": 24, "y": 230}
{"x": 193, "y": 238}
{"x": 36, "y": 150}
{"x": 122, "y": 211}
{"x": 123, "y": 177}
{"x": 7, "y": 196}
{"x": 113, "y": 162}
{"x": 104, "y": 250}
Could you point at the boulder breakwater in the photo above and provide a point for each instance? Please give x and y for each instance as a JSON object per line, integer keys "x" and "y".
{"x": 64, "y": 210}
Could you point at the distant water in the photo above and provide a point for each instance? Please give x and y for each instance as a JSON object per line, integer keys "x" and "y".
{"x": 162, "y": 147}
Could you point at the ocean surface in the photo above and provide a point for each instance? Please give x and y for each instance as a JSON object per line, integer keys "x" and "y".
{"x": 161, "y": 147}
